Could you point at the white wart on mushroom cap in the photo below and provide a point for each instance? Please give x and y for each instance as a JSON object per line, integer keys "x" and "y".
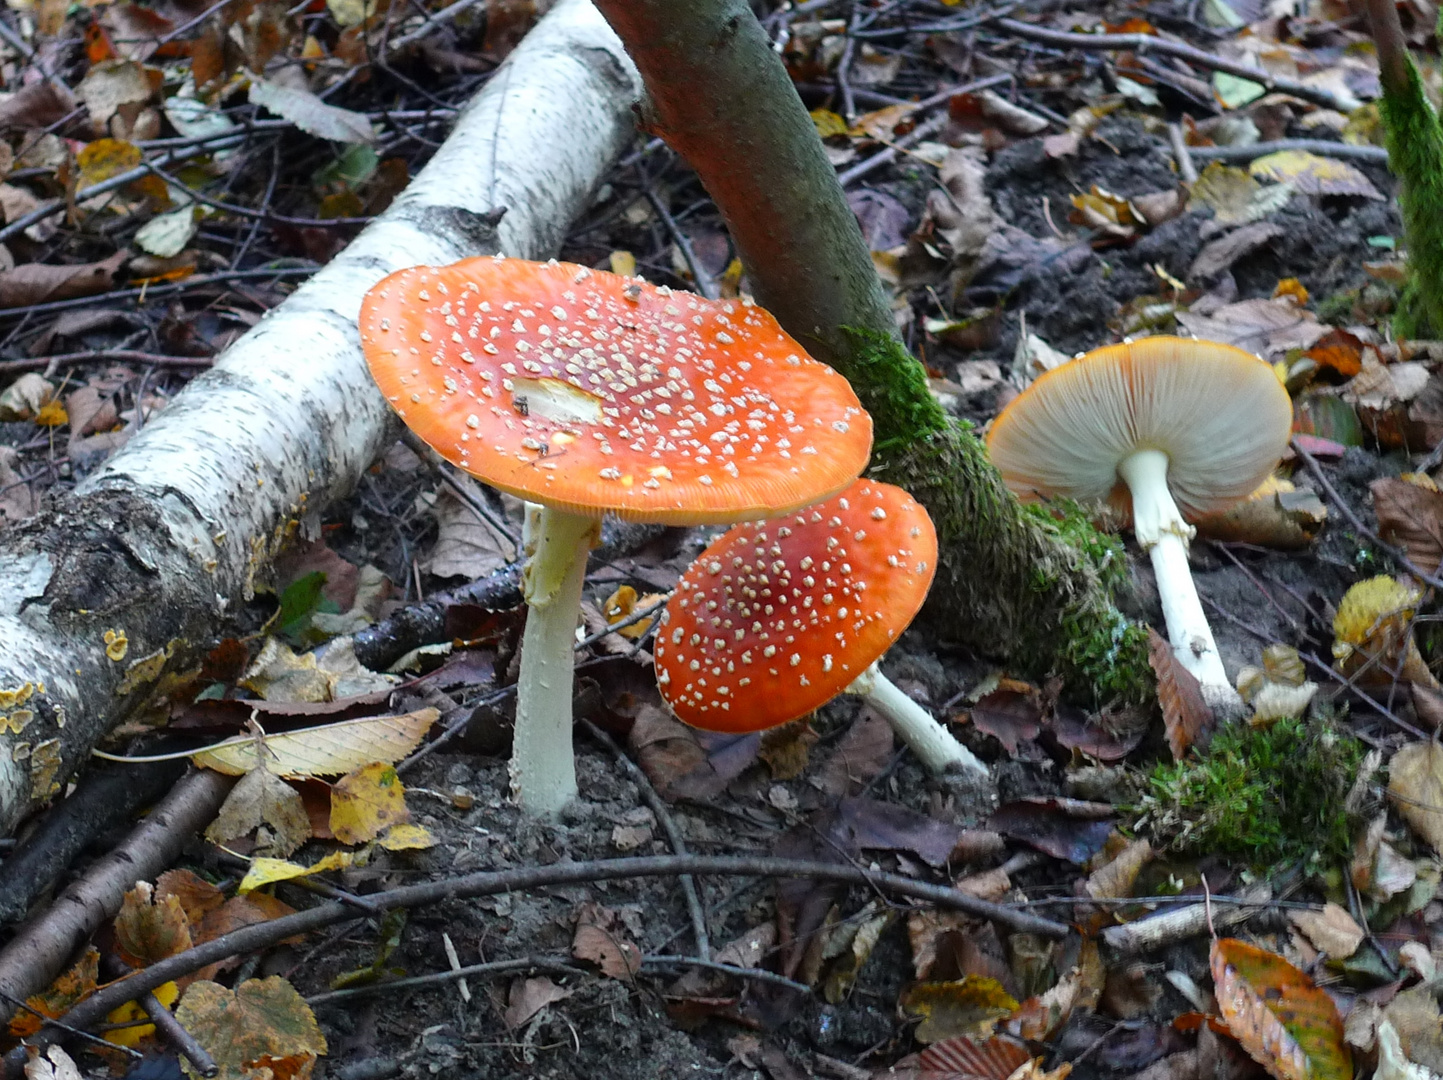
{"x": 1217, "y": 412}
{"x": 776, "y": 618}
{"x": 592, "y": 392}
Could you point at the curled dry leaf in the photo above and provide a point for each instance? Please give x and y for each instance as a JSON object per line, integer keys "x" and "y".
{"x": 1411, "y": 515}
{"x": 1276, "y": 515}
{"x": 262, "y": 800}
{"x": 528, "y": 997}
{"x": 150, "y": 928}
{"x": 1284, "y": 1021}
{"x": 310, "y": 113}
{"x": 37, "y": 283}
{"x": 1186, "y": 715}
{"x": 1115, "y": 880}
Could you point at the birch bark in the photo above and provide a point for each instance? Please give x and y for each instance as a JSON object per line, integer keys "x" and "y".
{"x": 118, "y": 584}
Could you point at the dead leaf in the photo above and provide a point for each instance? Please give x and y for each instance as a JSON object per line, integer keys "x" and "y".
{"x": 366, "y": 802}
{"x": 310, "y": 113}
{"x": 969, "y": 1007}
{"x": 528, "y": 997}
{"x": 1285, "y": 1022}
{"x": 76, "y": 982}
{"x": 109, "y": 85}
{"x": 25, "y": 397}
{"x": 37, "y": 283}
{"x": 1116, "y": 879}
{"x": 861, "y": 754}
{"x": 262, "y": 800}
{"x": 262, "y": 1028}
{"x": 1415, "y": 785}
{"x": 36, "y": 106}
{"x": 1331, "y": 930}
{"x": 328, "y": 750}
{"x": 1313, "y": 174}
{"x": 1373, "y": 633}
{"x": 786, "y": 749}
{"x": 53, "y": 1064}
{"x": 466, "y": 545}
{"x": 1067, "y": 829}
{"x": 1220, "y": 254}
{"x": 600, "y": 939}
{"x": 1188, "y": 719}
{"x": 1235, "y": 197}
{"x": 996, "y": 1058}
{"x": 1411, "y": 516}
{"x": 1269, "y": 328}
{"x": 197, "y": 897}
{"x": 1276, "y": 515}
{"x": 1009, "y": 716}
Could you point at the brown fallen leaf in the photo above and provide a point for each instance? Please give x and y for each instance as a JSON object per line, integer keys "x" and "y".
{"x": 1276, "y": 515}
{"x": 527, "y": 997}
{"x": 1186, "y": 715}
{"x": 197, "y": 896}
{"x": 1412, "y": 516}
{"x": 601, "y": 939}
{"x": 1313, "y": 174}
{"x": 38, "y": 283}
{"x": 862, "y": 753}
{"x": 150, "y": 928}
{"x": 1116, "y": 879}
{"x": 1415, "y": 786}
{"x": 1331, "y": 930}
{"x": 262, "y": 801}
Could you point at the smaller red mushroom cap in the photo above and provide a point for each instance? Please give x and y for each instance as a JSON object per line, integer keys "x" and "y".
{"x": 592, "y": 393}
{"x": 776, "y": 618}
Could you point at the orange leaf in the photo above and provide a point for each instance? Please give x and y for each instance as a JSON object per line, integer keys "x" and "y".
{"x": 1184, "y": 712}
{"x": 1339, "y": 351}
{"x": 1278, "y": 1014}
{"x": 992, "y": 1059}
{"x": 60, "y": 997}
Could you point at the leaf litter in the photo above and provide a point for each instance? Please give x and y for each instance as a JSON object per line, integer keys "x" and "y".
{"x": 998, "y": 244}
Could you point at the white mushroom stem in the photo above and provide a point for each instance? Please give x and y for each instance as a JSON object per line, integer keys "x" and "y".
{"x": 543, "y": 764}
{"x": 1164, "y": 535}
{"x": 933, "y": 744}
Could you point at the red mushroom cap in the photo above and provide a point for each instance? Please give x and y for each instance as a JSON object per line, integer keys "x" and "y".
{"x": 778, "y": 617}
{"x": 591, "y": 392}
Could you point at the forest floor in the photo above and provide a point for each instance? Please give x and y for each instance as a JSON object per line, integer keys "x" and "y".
{"x": 1013, "y": 235}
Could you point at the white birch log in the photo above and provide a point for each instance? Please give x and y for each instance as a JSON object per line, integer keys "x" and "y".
{"x": 156, "y": 549}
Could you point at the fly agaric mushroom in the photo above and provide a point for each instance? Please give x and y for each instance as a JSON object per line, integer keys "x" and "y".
{"x": 778, "y": 617}
{"x": 589, "y": 393}
{"x": 1162, "y": 430}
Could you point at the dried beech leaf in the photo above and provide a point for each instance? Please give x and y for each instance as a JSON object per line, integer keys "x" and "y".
{"x": 150, "y": 928}
{"x": 601, "y": 939}
{"x": 1331, "y": 930}
{"x": 1115, "y": 880}
{"x": 1413, "y": 517}
{"x": 1285, "y": 1022}
{"x": 1415, "y": 785}
{"x": 328, "y": 750}
{"x": 1186, "y": 715}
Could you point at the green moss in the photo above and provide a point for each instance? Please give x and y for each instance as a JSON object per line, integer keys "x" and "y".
{"x": 1028, "y": 585}
{"x": 1267, "y": 795}
{"x": 1415, "y": 156}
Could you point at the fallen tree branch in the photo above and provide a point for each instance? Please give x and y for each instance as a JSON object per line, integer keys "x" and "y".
{"x": 153, "y": 553}
{"x": 1376, "y": 155}
{"x": 42, "y": 947}
{"x": 1151, "y": 43}
{"x": 493, "y": 882}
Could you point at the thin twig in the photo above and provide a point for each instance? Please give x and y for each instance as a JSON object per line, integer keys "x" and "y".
{"x": 97, "y": 356}
{"x": 164, "y": 289}
{"x": 1151, "y": 43}
{"x": 1316, "y": 472}
{"x": 1375, "y": 155}
{"x": 673, "y": 836}
{"x": 519, "y": 879}
{"x": 1186, "y": 170}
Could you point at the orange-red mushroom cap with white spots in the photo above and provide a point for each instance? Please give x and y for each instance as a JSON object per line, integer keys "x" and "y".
{"x": 592, "y": 393}
{"x": 776, "y": 618}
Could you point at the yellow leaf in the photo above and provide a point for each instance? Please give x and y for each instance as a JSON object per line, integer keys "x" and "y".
{"x": 406, "y": 838}
{"x": 269, "y": 871}
{"x": 828, "y": 123}
{"x": 52, "y": 414}
{"x": 351, "y": 12}
{"x": 970, "y": 1006}
{"x": 323, "y": 751}
{"x": 367, "y": 801}
{"x": 105, "y": 158}
{"x": 130, "y": 1012}
{"x": 623, "y": 263}
{"x": 1313, "y": 174}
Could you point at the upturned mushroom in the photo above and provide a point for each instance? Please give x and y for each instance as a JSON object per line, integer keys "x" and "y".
{"x": 589, "y": 393}
{"x": 776, "y": 618}
{"x": 1161, "y": 430}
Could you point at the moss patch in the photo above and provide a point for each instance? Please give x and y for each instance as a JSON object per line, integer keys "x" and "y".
{"x": 1415, "y": 156}
{"x": 1266, "y": 795}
